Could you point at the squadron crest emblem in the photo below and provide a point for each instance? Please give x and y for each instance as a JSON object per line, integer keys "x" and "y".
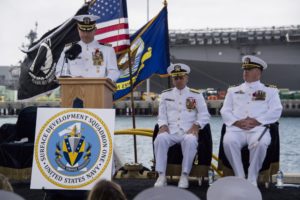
{"x": 73, "y": 149}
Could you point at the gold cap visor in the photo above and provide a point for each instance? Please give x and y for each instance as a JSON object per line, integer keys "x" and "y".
{"x": 85, "y": 27}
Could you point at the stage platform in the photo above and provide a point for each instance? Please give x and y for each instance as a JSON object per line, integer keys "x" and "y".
{"x": 132, "y": 187}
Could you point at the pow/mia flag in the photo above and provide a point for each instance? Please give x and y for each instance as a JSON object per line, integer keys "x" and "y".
{"x": 38, "y": 69}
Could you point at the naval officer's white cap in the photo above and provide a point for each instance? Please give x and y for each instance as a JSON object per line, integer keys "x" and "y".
{"x": 233, "y": 188}
{"x": 250, "y": 62}
{"x": 178, "y": 69}
{"x": 86, "y": 22}
{"x": 167, "y": 192}
{"x": 10, "y": 195}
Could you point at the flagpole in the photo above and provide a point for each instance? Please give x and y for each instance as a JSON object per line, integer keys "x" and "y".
{"x": 165, "y": 3}
{"x": 132, "y": 106}
{"x": 148, "y": 80}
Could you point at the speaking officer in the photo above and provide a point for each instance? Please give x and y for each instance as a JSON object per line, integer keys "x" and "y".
{"x": 182, "y": 112}
{"x": 88, "y": 58}
{"x": 247, "y": 108}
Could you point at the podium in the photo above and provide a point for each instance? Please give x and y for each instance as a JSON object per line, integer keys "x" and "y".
{"x": 93, "y": 92}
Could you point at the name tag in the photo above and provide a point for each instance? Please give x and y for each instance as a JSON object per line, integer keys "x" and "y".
{"x": 169, "y": 99}
{"x": 239, "y": 92}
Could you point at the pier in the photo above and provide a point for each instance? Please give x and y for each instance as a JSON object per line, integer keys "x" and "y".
{"x": 291, "y": 107}
{"x": 14, "y": 108}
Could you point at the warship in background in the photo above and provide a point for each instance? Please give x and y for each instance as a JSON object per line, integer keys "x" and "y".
{"x": 214, "y": 56}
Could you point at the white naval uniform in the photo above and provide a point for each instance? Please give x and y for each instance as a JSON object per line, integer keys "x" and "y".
{"x": 174, "y": 113}
{"x": 240, "y": 103}
{"x": 83, "y": 65}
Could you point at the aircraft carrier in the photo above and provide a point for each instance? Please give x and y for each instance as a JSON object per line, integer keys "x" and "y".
{"x": 214, "y": 56}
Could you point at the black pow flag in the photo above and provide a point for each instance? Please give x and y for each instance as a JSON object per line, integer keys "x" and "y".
{"x": 38, "y": 69}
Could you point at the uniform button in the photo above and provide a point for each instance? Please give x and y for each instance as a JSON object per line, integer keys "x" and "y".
{"x": 179, "y": 103}
{"x": 86, "y": 70}
{"x": 178, "y": 118}
{"x": 178, "y": 125}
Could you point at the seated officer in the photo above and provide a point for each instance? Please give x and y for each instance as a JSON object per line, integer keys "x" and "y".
{"x": 88, "y": 58}
{"x": 247, "y": 108}
{"x": 182, "y": 112}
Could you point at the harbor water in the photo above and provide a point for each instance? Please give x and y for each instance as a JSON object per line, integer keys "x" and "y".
{"x": 289, "y": 140}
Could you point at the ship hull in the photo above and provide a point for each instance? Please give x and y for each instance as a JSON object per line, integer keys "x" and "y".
{"x": 219, "y": 66}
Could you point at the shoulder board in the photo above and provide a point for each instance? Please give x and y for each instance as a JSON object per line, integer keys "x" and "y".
{"x": 271, "y": 86}
{"x": 167, "y": 90}
{"x": 194, "y": 91}
{"x": 108, "y": 45}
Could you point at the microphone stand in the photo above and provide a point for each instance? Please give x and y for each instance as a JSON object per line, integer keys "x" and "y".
{"x": 65, "y": 73}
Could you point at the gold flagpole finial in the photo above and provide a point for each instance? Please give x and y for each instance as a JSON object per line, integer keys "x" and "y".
{"x": 165, "y": 3}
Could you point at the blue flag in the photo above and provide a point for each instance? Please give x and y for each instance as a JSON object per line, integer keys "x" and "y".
{"x": 149, "y": 54}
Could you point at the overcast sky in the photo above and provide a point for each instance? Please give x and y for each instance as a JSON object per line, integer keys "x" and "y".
{"x": 19, "y": 17}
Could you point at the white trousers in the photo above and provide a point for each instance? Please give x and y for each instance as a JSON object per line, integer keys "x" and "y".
{"x": 234, "y": 141}
{"x": 163, "y": 141}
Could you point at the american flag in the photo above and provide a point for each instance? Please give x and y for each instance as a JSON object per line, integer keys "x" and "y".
{"x": 112, "y": 27}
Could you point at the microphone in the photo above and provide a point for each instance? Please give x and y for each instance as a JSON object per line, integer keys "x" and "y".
{"x": 70, "y": 54}
{"x": 73, "y": 51}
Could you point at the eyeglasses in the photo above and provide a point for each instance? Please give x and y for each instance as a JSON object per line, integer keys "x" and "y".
{"x": 178, "y": 77}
